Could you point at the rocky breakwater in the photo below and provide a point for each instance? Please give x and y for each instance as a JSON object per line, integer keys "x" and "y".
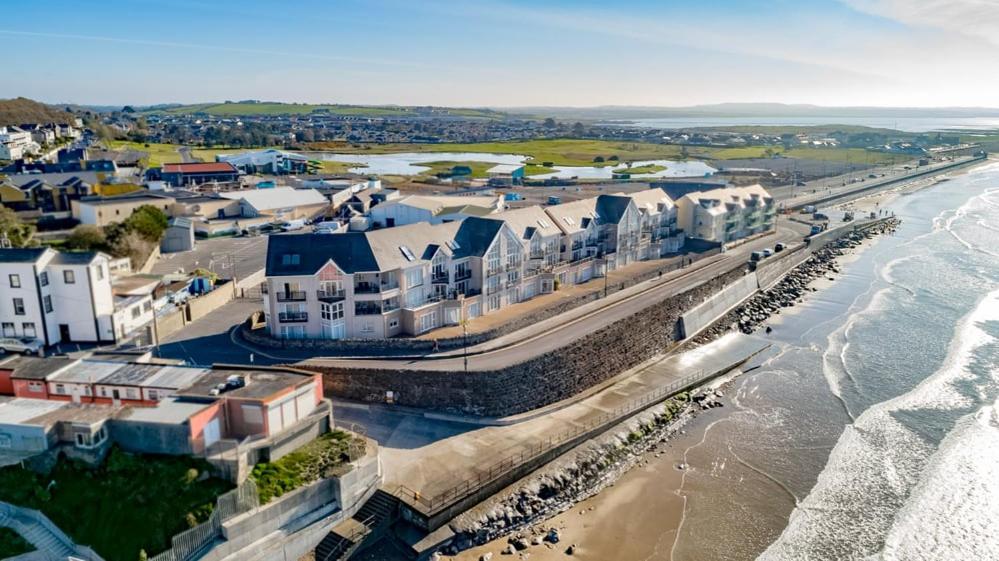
{"x": 520, "y": 511}
{"x": 791, "y": 289}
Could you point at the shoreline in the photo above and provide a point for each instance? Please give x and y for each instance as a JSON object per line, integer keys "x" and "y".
{"x": 606, "y": 525}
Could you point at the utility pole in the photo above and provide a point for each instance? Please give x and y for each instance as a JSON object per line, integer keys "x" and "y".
{"x": 464, "y": 331}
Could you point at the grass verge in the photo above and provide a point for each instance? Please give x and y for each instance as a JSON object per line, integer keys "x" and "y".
{"x": 130, "y": 503}
{"x": 318, "y": 459}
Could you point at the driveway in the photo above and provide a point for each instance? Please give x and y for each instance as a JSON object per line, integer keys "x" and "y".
{"x": 206, "y": 341}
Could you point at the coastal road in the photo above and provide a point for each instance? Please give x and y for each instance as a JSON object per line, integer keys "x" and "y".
{"x": 557, "y": 332}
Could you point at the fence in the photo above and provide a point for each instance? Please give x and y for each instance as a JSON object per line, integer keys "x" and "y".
{"x": 56, "y": 542}
{"x": 189, "y": 544}
{"x": 437, "y": 503}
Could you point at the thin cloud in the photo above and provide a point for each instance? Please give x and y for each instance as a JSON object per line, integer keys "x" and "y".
{"x": 219, "y": 48}
{"x": 972, "y": 18}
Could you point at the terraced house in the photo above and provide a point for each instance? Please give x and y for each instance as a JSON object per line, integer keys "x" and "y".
{"x": 726, "y": 214}
{"x": 411, "y": 279}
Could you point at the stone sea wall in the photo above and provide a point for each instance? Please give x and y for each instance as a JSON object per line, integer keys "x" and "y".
{"x": 537, "y": 382}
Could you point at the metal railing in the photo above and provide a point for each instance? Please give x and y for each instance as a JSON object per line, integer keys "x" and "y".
{"x": 440, "y": 278}
{"x": 462, "y": 274}
{"x": 293, "y": 317}
{"x": 191, "y": 544}
{"x": 291, "y": 296}
{"x": 330, "y": 294}
{"x": 366, "y": 288}
{"x": 437, "y": 503}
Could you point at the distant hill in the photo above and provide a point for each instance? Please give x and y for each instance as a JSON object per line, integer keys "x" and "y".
{"x": 730, "y": 110}
{"x": 24, "y": 111}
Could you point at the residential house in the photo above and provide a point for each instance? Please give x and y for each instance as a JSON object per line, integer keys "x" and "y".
{"x": 101, "y": 211}
{"x": 198, "y": 173}
{"x": 66, "y": 296}
{"x": 505, "y": 175}
{"x": 660, "y": 233}
{"x": 271, "y": 161}
{"x": 433, "y": 209}
{"x": 46, "y": 192}
{"x": 726, "y": 214}
{"x": 15, "y": 144}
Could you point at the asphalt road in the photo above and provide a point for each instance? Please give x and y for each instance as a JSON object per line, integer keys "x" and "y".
{"x": 225, "y": 256}
{"x": 541, "y": 339}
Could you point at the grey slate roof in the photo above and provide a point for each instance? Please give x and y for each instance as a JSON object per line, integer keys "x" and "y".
{"x": 21, "y": 254}
{"x": 611, "y": 208}
{"x": 74, "y": 257}
{"x": 475, "y": 235}
{"x": 350, "y": 251}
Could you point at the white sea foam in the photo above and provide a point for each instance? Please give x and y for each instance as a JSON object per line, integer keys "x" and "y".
{"x": 878, "y": 461}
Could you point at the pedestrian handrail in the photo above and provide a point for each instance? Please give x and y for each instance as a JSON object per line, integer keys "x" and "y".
{"x": 191, "y": 543}
{"x": 351, "y": 540}
{"x": 16, "y": 515}
{"x": 468, "y": 487}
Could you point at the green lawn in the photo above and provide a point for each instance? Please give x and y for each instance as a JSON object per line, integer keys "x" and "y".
{"x": 320, "y": 458}
{"x": 478, "y": 168}
{"x": 637, "y": 170}
{"x": 130, "y": 503}
{"x": 855, "y": 155}
{"x": 159, "y": 154}
{"x": 12, "y": 544}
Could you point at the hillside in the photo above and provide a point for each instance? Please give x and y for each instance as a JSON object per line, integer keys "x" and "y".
{"x": 23, "y": 111}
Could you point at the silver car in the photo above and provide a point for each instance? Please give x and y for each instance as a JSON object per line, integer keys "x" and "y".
{"x": 23, "y": 345}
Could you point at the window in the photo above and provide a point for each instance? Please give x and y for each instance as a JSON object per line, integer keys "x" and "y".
{"x": 47, "y": 303}
{"x": 43, "y": 279}
{"x": 131, "y": 393}
{"x": 36, "y": 387}
{"x": 147, "y": 307}
{"x": 291, "y": 259}
{"x": 18, "y": 306}
{"x": 136, "y": 311}
{"x": 414, "y": 277}
{"x": 29, "y": 329}
{"x": 60, "y": 389}
{"x": 367, "y": 328}
{"x": 330, "y": 312}
{"x": 15, "y": 281}
{"x": 6, "y": 441}
{"x": 393, "y": 323}
{"x": 69, "y": 277}
{"x": 154, "y": 395}
{"x": 428, "y": 321}
{"x": 8, "y": 329}
{"x": 100, "y": 272}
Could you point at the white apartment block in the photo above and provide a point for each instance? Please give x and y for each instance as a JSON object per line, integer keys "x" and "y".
{"x": 726, "y": 214}
{"x": 65, "y": 297}
{"x": 411, "y": 279}
{"x": 16, "y": 143}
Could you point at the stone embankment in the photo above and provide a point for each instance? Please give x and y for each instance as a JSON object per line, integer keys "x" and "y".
{"x": 521, "y": 512}
{"x": 790, "y": 290}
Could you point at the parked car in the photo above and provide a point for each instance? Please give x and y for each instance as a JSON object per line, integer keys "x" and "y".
{"x": 23, "y": 345}
{"x": 292, "y": 225}
{"x": 778, "y": 247}
{"x": 756, "y": 256}
{"x": 767, "y": 252}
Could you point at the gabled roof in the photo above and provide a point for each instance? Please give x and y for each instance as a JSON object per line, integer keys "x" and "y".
{"x": 611, "y": 208}
{"x": 200, "y": 167}
{"x": 526, "y": 221}
{"x": 649, "y": 199}
{"x": 278, "y": 197}
{"x": 476, "y": 235}
{"x": 575, "y": 216}
{"x": 21, "y": 254}
{"x": 76, "y": 257}
{"x": 350, "y": 251}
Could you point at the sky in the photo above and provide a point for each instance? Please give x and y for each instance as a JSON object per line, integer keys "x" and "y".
{"x": 504, "y": 53}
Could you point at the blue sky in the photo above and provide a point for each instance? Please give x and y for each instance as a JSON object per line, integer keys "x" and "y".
{"x": 505, "y": 52}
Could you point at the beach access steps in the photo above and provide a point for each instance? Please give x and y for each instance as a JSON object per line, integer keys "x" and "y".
{"x": 376, "y": 515}
{"x": 37, "y": 530}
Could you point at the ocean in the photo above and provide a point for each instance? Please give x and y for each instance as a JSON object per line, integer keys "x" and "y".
{"x": 872, "y": 429}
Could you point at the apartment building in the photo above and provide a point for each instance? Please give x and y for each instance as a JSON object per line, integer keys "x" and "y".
{"x": 726, "y": 214}
{"x": 16, "y": 143}
{"x": 66, "y": 296}
{"x": 410, "y": 279}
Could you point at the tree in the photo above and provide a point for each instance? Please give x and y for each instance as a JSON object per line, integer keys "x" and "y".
{"x": 149, "y": 222}
{"x": 134, "y": 246}
{"x": 578, "y": 129}
{"x": 88, "y": 238}
{"x": 598, "y": 160}
{"x": 15, "y": 229}
{"x": 550, "y": 123}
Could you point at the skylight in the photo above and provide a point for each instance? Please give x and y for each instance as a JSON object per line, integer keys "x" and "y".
{"x": 407, "y": 253}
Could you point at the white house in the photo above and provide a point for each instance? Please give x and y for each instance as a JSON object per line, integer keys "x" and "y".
{"x": 61, "y": 297}
{"x": 726, "y": 214}
{"x": 433, "y": 209}
{"x": 16, "y": 143}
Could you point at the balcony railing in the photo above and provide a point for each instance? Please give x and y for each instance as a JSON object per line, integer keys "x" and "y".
{"x": 513, "y": 266}
{"x": 440, "y": 278}
{"x": 462, "y": 274}
{"x": 494, "y": 271}
{"x": 291, "y": 296}
{"x": 367, "y": 310}
{"x": 293, "y": 317}
{"x": 493, "y": 289}
{"x": 330, "y": 294}
{"x": 367, "y": 288}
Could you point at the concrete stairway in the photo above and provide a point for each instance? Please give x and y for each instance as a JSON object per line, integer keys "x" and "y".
{"x": 368, "y": 524}
{"x": 52, "y": 545}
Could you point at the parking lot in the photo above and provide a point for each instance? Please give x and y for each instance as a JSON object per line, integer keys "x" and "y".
{"x": 227, "y": 257}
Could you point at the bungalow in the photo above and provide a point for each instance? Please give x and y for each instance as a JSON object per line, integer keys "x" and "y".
{"x": 180, "y": 175}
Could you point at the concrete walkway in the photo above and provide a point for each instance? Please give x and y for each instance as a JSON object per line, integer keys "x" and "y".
{"x": 430, "y": 455}
{"x": 40, "y": 532}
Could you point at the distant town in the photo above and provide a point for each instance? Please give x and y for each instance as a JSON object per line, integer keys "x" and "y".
{"x": 235, "y": 302}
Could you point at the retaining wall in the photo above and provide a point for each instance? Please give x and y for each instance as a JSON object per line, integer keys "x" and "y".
{"x": 718, "y": 305}
{"x": 536, "y": 382}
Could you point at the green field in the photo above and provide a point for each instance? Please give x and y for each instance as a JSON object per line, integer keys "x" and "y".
{"x": 158, "y": 154}
{"x": 268, "y": 108}
{"x": 130, "y": 503}
{"x": 318, "y": 459}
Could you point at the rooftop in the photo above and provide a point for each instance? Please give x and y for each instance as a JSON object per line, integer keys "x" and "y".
{"x": 200, "y": 167}
{"x": 278, "y": 197}
{"x": 36, "y": 368}
{"x": 261, "y": 385}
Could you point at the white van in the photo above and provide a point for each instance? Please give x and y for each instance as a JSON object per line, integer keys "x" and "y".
{"x": 291, "y": 225}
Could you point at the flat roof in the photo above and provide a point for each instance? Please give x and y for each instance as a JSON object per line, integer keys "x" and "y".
{"x": 260, "y": 384}
{"x": 175, "y": 377}
{"x": 170, "y": 411}
{"x": 87, "y": 371}
{"x": 37, "y": 368}
{"x": 21, "y": 411}
{"x": 200, "y": 167}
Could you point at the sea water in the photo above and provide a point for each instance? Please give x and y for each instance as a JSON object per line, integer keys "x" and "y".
{"x": 872, "y": 431}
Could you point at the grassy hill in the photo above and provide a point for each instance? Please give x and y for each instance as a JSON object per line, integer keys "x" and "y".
{"x": 275, "y": 108}
{"x": 23, "y": 111}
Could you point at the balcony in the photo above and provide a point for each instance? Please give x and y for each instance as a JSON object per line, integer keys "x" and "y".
{"x": 462, "y": 274}
{"x": 493, "y": 289}
{"x": 493, "y": 271}
{"x": 513, "y": 266}
{"x": 367, "y": 309}
{"x": 291, "y": 296}
{"x": 293, "y": 317}
{"x": 330, "y": 295}
{"x": 367, "y": 288}
{"x": 440, "y": 278}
